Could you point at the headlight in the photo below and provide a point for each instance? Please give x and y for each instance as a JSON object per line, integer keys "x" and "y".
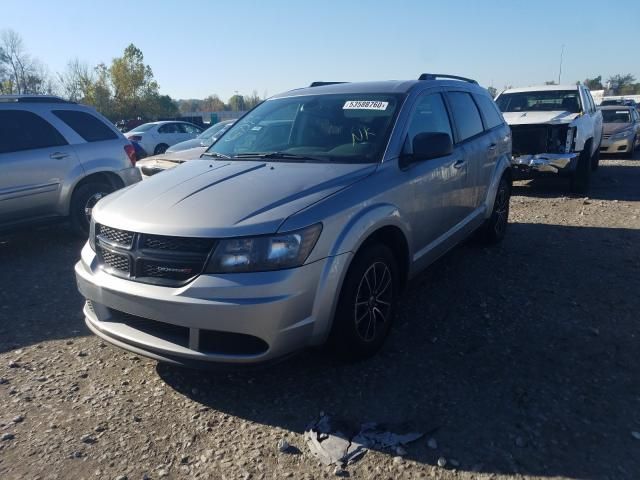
{"x": 92, "y": 235}
{"x": 623, "y": 134}
{"x": 264, "y": 253}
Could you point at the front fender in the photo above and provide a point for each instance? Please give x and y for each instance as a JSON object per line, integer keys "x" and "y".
{"x": 502, "y": 165}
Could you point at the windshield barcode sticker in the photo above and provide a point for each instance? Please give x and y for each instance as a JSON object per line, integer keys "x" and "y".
{"x": 365, "y": 105}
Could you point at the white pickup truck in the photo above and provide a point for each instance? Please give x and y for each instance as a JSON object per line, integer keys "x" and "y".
{"x": 555, "y": 129}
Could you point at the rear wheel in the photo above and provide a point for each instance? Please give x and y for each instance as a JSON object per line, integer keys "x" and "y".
{"x": 581, "y": 178}
{"x": 495, "y": 227}
{"x": 367, "y": 303}
{"x": 160, "y": 149}
{"x": 82, "y": 202}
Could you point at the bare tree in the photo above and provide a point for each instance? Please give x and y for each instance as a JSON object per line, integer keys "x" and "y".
{"x": 22, "y": 74}
{"x": 76, "y": 81}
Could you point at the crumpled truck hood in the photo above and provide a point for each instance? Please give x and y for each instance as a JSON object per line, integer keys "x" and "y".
{"x": 527, "y": 118}
{"x": 224, "y": 198}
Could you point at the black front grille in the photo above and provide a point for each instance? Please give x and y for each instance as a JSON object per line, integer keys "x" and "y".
{"x": 114, "y": 236}
{"x": 157, "y": 259}
{"x": 114, "y": 261}
{"x": 534, "y": 139}
{"x": 174, "y": 244}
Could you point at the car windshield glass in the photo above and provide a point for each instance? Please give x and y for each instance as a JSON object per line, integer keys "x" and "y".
{"x": 142, "y": 128}
{"x": 327, "y": 128}
{"x": 616, "y": 116}
{"x": 540, "y": 101}
{"x": 211, "y": 131}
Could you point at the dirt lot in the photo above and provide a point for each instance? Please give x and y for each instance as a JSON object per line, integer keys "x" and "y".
{"x": 520, "y": 361}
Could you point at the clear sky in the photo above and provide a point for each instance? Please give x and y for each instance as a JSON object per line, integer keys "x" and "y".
{"x": 197, "y": 48}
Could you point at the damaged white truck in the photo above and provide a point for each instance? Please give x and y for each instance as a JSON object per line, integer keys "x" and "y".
{"x": 556, "y": 129}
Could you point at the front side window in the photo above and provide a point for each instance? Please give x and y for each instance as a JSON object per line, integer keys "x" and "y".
{"x": 328, "y": 128}
{"x": 21, "y": 130}
{"x": 540, "y": 101}
{"x": 465, "y": 114}
{"x": 190, "y": 129}
{"x": 86, "y": 125}
{"x": 492, "y": 115}
{"x": 430, "y": 116}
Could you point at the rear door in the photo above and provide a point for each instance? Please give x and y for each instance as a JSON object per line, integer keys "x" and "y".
{"x": 495, "y": 141}
{"x": 35, "y": 158}
{"x": 461, "y": 198}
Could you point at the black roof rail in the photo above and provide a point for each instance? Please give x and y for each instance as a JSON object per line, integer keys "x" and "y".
{"x": 322, "y": 84}
{"x": 434, "y": 76}
{"x": 32, "y": 99}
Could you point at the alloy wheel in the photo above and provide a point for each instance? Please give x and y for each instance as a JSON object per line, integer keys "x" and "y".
{"x": 373, "y": 301}
{"x": 91, "y": 202}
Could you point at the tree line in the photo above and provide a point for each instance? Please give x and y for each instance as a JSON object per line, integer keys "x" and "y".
{"x": 122, "y": 89}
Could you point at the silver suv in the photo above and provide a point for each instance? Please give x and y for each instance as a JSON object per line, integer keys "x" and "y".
{"x": 304, "y": 225}
{"x": 57, "y": 159}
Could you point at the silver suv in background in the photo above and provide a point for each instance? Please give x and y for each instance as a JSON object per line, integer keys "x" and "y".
{"x": 304, "y": 225}
{"x": 57, "y": 159}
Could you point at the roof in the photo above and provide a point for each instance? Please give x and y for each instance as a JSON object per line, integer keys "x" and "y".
{"x": 32, "y": 99}
{"x": 540, "y": 88}
{"x": 387, "y": 86}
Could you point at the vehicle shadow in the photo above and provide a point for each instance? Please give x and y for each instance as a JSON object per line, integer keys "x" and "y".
{"x": 39, "y": 300}
{"x": 612, "y": 181}
{"x": 518, "y": 359}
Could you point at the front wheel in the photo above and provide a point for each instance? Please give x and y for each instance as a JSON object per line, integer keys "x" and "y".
{"x": 581, "y": 178}
{"x": 367, "y": 303}
{"x": 82, "y": 202}
{"x": 494, "y": 228}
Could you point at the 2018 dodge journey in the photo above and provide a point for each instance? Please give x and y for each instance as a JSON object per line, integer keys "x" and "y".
{"x": 304, "y": 225}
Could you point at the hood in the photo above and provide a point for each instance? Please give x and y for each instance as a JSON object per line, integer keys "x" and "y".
{"x": 526, "y": 118}
{"x": 224, "y": 198}
{"x": 188, "y": 144}
{"x": 152, "y": 165}
{"x": 612, "y": 128}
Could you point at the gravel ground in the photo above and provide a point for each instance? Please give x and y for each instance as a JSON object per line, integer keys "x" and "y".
{"x": 517, "y": 361}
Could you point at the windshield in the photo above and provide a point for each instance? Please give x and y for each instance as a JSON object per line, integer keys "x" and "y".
{"x": 142, "y": 128}
{"x": 211, "y": 131}
{"x": 332, "y": 128}
{"x": 540, "y": 101}
{"x": 616, "y": 116}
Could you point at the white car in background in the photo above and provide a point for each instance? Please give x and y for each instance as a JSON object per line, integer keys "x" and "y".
{"x": 156, "y": 137}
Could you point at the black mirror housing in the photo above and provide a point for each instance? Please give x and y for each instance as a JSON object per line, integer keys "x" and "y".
{"x": 429, "y": 145}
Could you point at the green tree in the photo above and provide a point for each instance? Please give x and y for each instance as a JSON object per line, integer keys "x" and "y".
{"x": 594, "y": 83}
{"x": 252, "y": 100}
{"x": 134, "y": 88}
{"x": 622, "y": 84}
{"x": 212, "y": 104}
{"x": 237, "y": 103}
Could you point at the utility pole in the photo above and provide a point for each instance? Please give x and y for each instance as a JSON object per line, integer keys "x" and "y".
{"x": 560, "y": 70}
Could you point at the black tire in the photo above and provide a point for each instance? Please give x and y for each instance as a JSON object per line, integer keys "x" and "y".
{"x": 581, "y": 178}
{"x": 595, "y": 160}
{"x": 82, "y": 202}
{"x": 361, "y": 324}
{"x": 160, "y": 149}
{"x": 494, "y": 228}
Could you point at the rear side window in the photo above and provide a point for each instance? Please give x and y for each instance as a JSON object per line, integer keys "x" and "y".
{"x": 169, "y": 128}
{"x": 21, "y": 130}
{"x": 492, "y": 115}
{"x": 465, "y": 115}
{"x": 86, "y": 125}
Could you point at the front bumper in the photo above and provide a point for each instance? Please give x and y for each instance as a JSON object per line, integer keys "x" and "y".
{"x": 234, "y": 318}
{"x": 545, "y": 163}
{"x": 623, "y": 145}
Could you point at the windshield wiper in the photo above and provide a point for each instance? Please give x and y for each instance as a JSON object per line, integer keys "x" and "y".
{"x": 216, "y": 155}
{"x": 280, "y": 156}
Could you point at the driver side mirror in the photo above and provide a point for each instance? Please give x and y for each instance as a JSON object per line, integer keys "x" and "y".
{"x": 428, "y": 145}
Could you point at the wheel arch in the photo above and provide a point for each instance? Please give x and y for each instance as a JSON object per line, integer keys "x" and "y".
{"x": 110, "y": 178}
